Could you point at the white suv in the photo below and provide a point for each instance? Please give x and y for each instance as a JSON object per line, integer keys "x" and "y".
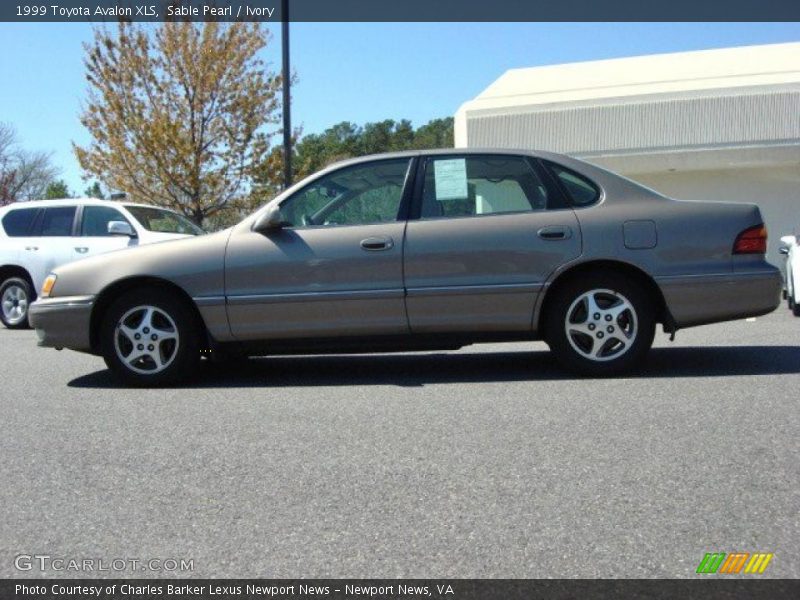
{"x": 36, "y": 237}
{"x": 791, "y": 248}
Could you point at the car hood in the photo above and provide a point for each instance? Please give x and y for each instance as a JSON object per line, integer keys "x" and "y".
{"x": 195, "y": 263}
{"x": 160, "y": 236}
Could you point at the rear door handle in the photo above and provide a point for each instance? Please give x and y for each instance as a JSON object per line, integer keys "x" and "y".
{"x": 34, "y": 248}
{"x": 377, "y": 243}
{"x": 555, "y": 232}
{"x": 81, "y": 249}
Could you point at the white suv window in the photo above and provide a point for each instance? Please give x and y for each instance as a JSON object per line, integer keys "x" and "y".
{"x": 95, "y": 220}
{"x": 57, "y": 221}
{"x": 18, "y": 222}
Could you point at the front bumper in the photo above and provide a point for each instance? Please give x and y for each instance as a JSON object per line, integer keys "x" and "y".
{"x": 63, "y": 322}
{"x": 701, "y": 299}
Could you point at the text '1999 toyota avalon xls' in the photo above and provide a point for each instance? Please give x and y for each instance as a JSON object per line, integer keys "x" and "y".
{"x": 419, "y": 251}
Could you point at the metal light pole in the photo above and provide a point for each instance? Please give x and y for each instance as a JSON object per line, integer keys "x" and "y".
{"x": 287, "y": 108}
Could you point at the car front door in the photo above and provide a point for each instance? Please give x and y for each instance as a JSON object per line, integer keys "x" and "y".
{"x": 335, "y": 266}
{"x": 488, "y": 232}
{"x": 94, "y": 237}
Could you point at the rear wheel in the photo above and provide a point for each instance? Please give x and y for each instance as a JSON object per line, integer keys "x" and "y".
{"x": 16, "y": 295}
{"x": 600, "y": 324}
{"x": 150, "y": 337}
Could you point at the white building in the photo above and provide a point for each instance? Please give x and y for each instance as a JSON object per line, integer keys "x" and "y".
{"x": 715, "y": 124}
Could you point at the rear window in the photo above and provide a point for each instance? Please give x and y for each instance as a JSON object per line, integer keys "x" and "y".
{"x": 17, "y": 223}
{"x": 580, "y": 190}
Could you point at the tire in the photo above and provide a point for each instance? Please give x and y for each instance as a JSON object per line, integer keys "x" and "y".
{"x": 167, "y": 349}
{"x": 16, "y": 294}
{"x": 600, "y": 324}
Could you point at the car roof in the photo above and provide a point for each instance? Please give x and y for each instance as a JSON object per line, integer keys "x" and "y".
{"x": 74, "y": 201}
{"x": 460, "y": 151}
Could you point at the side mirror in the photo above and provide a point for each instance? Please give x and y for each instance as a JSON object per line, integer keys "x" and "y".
{"x": 784, "y": 250}
{"x": 270, "y": 220}
{"x": 121, "y": 228}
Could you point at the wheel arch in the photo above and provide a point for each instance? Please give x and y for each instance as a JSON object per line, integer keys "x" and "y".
{"x": 662, "y": 312}
{"x": 112, "y": 292}
{"x": 8, "y": 271}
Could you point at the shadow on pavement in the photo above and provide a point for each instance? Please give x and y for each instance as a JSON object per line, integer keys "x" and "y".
{"x": 413, "y": 370}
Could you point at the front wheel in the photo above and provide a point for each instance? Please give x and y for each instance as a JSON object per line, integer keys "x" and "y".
{"x": 150, "y": 338}
{"x": 793, "y": 303}
{"x": 16, "y": 295}
{"x": 601, "y": 324}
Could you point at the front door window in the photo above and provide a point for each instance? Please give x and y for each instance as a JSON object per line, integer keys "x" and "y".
{"x": 358, "y": 195}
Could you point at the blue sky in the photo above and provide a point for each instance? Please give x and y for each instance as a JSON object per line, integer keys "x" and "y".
{"x": 355, "y": 72}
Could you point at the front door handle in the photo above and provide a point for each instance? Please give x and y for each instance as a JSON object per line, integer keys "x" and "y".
{"x": 33, "y": 248}
{"x": 81, "y": 249}
{"x": 555, "y": 232}
{"x": 377, "y": 243}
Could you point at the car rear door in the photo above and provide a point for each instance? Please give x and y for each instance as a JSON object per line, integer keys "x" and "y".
{"x": 51, "y": 241}
{"x": 487, "y": 231}
{"x": 335, "y": 268}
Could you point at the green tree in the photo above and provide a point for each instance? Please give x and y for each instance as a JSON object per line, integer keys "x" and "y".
{"x": 346, "y": 140}
{"x": 94, "y": 191}
{"x": 176, "y": 113}
{"x": 57, "y": 189}
{"x": 437, "y": 133}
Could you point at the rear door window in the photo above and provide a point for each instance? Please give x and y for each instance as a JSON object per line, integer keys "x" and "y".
{"x": 468, "y": 186}
{"x": 18, "y": 222}
{"x": 57, "y": 221}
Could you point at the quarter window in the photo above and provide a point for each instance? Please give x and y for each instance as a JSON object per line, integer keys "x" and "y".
{"x": 358, "y": 195}
{"x": 481, "y": 185}
{"x": 17, "y": 223}
{"x": 581, "y": 191}
{"x": 95, "y": 220}
{"x": 57, "y": 221}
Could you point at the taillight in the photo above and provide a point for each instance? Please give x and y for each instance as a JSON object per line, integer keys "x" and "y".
{"x": 752, "y": 240}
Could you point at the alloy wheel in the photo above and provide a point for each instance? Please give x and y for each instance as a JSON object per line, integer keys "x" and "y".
{"x": 601, "y": 325}
{"x": 146, "y": 339}
{"x": 15, "y": 304}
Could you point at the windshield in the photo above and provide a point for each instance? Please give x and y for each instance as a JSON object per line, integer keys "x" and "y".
{"x": 163, "y": 221}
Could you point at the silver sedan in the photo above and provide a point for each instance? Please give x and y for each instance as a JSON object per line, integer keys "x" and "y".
{"x": 419, "y": 251}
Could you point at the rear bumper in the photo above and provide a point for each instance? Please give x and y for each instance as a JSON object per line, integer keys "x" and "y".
{"x": 701, "y": 299}
{"x": 63, "y": 322}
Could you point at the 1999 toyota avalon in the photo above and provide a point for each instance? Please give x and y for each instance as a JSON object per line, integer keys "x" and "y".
{"x": 419, "y": 251}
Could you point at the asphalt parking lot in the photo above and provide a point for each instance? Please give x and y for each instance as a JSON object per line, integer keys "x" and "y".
{"x": 487, "y": 462}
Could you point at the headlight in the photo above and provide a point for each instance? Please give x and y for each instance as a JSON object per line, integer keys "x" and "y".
{"x": 47, "y": 286}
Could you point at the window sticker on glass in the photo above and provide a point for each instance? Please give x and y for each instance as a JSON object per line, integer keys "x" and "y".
{"x": 451, "y": 179}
